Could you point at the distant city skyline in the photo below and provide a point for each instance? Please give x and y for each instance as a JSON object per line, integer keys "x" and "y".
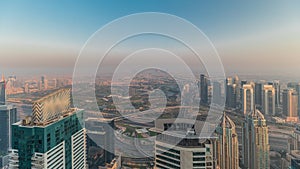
{"x": 257, "y": 37}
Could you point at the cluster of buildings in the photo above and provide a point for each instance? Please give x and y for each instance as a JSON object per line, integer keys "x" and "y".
{"x": 45, "y": 83}
{"x": 17, "y": 86}
{"x": 179, "y": 144}
{"x": 268, "y": 97}
{"x": 57, "y": 135}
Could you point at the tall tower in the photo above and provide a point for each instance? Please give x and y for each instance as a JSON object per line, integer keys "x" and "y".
{"x": 53, "y": 138}
{"x": 295, "y": 86}
{"x": 2, "y": 91}
{"x": 269, "y": 100}
{"x": 204, "y": 89}
{"x": 290, "y": 105}
{"x": 217, "y": 93}
{"x": 255, "y": 141}
{"x": 227, "y": 144}
{"x": 237, "y": 90}
{"x": 43, "y": 83}
{"x": 231, "y": 95}
{"x": 248, "y": 98}
{"x": 258, "y": 94}
{"x": 276, "y": 86}
{"x": 8, "y": 116}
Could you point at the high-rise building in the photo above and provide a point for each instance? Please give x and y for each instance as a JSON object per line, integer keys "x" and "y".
{"x": 241, "y": 91}
{"x": 290, "y": 105}
{"x": 203, "y": 89}
{"x": 255, "y": 141}
{"x": 2, "y": 91}
{"x": 231, "y": 95}
{"x": 258, "y": 94}
{"x": 248, "y": 98}
{"x": 53, "y": 138}
{"x": 43, "y": 83}
{"x": 276, "y": 86}
{"x": 237, "y": 90}
{"x": 180, "y": 146}
{"x": 217, "y": 93}
{"x": 295, "y": 86}
{"x": 101, "y": 133}
{"x": 269, "y": 100}
{"x": 8, "y": 116}
{"x": 227, "y": 144}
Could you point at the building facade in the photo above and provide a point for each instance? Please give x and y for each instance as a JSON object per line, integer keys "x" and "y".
{"x": 247, "y": 98}
{"x": 296, "y": 138}
{"x": 2, "y": 91}
{"x": 258, "y": 94}
{"x": 54, "y": 142}
{"x": 231, "y": 95}
{"x": 269, "y": 100}
{"x": 180, "y": 146}
{"x": 255, "y": 142}
{"x": 227, "y": 144}
{"x": 290, "y": 105}
{"x": 203, "y": 89}
{"x": 101, "y": 133}
{"x": 8, "y": 116}
{"x": 217, "y": 93}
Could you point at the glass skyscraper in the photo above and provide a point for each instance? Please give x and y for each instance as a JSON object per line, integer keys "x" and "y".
{"x": 54, "y": 137}
{"x": 8, "y": 116}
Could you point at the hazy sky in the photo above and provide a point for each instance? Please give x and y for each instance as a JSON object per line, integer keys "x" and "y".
{"x": 255, "y": 37}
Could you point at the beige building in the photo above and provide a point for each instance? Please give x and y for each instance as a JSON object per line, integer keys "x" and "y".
{"x": 248, "y": 98}
{"x": 290, "y": 105}
{"x": 255, "y": 142}
{"x": 227, "y": 144}
{"x": 269, "y": 100}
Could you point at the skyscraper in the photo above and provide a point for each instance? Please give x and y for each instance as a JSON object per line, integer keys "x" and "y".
{"x": 2, "y": 91}
{"x": 295, "y": 86}
{"x": 276, "y": 86}
{"x": 247, "y": 98}
{"x": 53, "y": 138}
{"x": 180, "y": 146}
{"x": 243, "y": 82}
{"x": 217, "y": 93}
{"x": 290, "y": 104}
{"x": 101, "y": 133}
{"x": 269, "y": 100}
{"x": 255, "y": 141}
{"x": 237, "y": 90}
{"x": 203, "y": 89}
{"x": 258, "y": 94}
{"x": 8, "y": 116}
{"x": 231, "y": 95}
{"x": 227, "y": 144}
{"x": 43, "y": 83}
